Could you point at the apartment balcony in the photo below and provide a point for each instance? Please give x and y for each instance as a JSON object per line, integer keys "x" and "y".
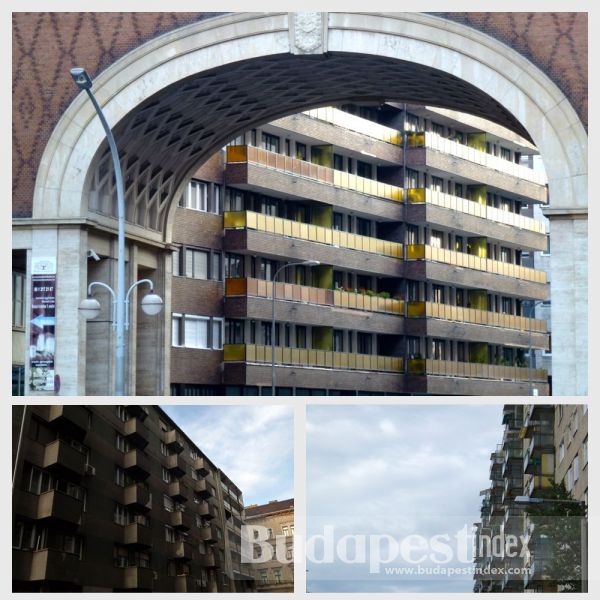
{"x": 202, "y": 488}
{"x": 173, "y": 440}
{"x": 202, "y": 466}
{"x": 137, "y": 536}
{"x": 63, "y": 459}
{"x": 332, "y": 126}
{"x": 137, "y": 497}
{"x": 136, "y": 464}
{"x": 496, "y": 460}
{"x": 513, "y": 460}
{"x": 427, "y": 206}
{"x": 253, "y": 233}
{"x": 179, "y": 491}
{"x": 140, "y": 579}
{"x": 70, "y": 420}
{"x": 252, "y": 298}
{"x": 136, "y": 432}
{"x": 175, "y": 464}
{"x": 207, "y": 510}
{"x": 52, "y": 565}
{"x": 513, "y": 486}
{"x": 444, "y": 320}
{"x": 538, "y": 418}
{"x": 453, "y": 377}
{"x": 254, "y": 168}
{"x": 208, "y": 561}
{"x": 58, "y": 507}
{"x": 181, "y": 550}
{"x": 441, "y": 154}
{"x": 184, "y": 583}
{"x": 182, "y": 520}
{"x": 209, "y": 534}
{"x": 537, "y": 484}
{"x": 138, "y": 411}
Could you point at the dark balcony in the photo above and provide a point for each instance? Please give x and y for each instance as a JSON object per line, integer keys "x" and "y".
{"x": 136, "y": 432}
{"x": 63, "y": 459}
{"x": 53, "y": 565}
{"x": 203, "y": 489}
{"x": 182, "y": 520}
{"x": 137, "y": 497}
{"x": 207, "y": 561}
{"x": 175, "y": 464}
{"x": 184, "y": 583}
{"x": 181, "y": 550}
{"x": 179, "y": 491}
{"x": 209, "y": 534}
{"x": 173, "y": 440}
{"x": 140, "y": 579}
{"x": 70, "y": 420}
{"x": 136, "y": 464}
{"x": 137, "y": 536}
{"x": 202, "y": 466}
{"x": 206, "y": 510}
{"x": 55, "y": 506}
{"x": 138, "y": 411}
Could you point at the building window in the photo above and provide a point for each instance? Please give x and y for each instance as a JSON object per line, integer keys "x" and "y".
{"x": 584, "y": 452}
{"x": 196, "y": 196}
{"x": 300, "y": 151}
{"x": 270, "y": 142}
{"x": 234, "y": 331}
{"x": 300, "y": 336}
{"x": 285, "y": 530}
{"x": 277, "y": 573}
{"x": 196, "y": 263}
{"x": 289, "y": 554}
{"x": 176, "y": 330}
{"x": 364, "y": 343}
{"x": 121, "y": 443}
{"x": 18, "y": 299}
{"x": 194, "y": 331}
{"x": 561, "y": 451}
{"x": 363, "y": 169}
{"x": 169, "y": 534}
{"x": 569, "y": 479}
{"x": 168, "y": 503}
{"x": 504, "y": 153}
{"x": 438, "y": 349}
{"x": 436, "y": 240}
{"x": 338, "y": 340}
{"x": 234, "y": 265}
{"x": 264, "y": 577}
{"x": 437, "y": 294}
{"x": 437, "y": 184}
{"x": 576, "y": 468}
{"x": 166, "y": 476}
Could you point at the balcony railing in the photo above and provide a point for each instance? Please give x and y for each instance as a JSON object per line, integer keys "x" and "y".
{"x": 449, "y": 368}
{"x": 422, "y": 195}
{"x": 435, "y": 141}
{"x": 311, "y": 295}
{"x": 312, "y": 358}
{"x": 311, "y": 233}
{"x": 470, "y": 261}
{"x": 302, "y": 168}
{"x": 357, "y": 124}
{"x": 447, "y": 312}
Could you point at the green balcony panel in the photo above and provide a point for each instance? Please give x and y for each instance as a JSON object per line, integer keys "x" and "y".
{"x": 322, "y": 338}
{"x": 478, "y": 353}
{"x": 322, "y": 155}
{"x": 477, "y": 141}
{"x": 323, "y": 216}
{"x": 477, "y": 299}
{"x": 478, "y": 247}
{"x": 323, "y": 277}
{"x": 477, "y": 193}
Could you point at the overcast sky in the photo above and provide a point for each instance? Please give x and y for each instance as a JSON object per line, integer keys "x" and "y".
{"x": 252, "y": 444}
{"x": 396, "y": 470}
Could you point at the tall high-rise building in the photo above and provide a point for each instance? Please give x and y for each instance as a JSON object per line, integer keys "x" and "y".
{"x": 119, "y": 499}
{"x": 274, "y": 573}
{"x": 542, "y": 445}
{"x": 416, "y": 217}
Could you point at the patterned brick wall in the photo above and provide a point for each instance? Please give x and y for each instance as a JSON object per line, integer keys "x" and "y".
{"x": 46, "y": 45}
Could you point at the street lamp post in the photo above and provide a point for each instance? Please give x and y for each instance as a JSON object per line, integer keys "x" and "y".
{"x": 532, "y": 305}
{"x": 120, "y": 299}
{"x": 305, "y": 263}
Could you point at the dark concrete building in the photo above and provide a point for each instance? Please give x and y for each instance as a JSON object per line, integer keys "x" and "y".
{"x": 119, "y": 499}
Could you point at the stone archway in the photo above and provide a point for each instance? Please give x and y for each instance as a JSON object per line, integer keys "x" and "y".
{"x": 177, "y": 99}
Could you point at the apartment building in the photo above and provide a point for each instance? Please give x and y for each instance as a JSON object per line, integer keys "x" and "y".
{"x": 542, "y": 445}
{"x": 416, "y": 216}
{"x": 119, "y": 499}
{"x": 277, "y": 517}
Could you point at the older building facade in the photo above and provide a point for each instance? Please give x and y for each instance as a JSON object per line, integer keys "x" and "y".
{"x": 414, "y": 215}
{"x": 277, "y": 517}
{"x": 119, "y": 499}
{"x": 542, "y": 445}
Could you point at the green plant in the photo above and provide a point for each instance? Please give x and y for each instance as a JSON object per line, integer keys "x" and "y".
{"x": 369, "y": 292}
{"x": 384, "y": 294}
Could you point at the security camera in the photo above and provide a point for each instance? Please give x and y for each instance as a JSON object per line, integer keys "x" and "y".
{"x": 92, "y": 254}
{"x": 81, "y": 78}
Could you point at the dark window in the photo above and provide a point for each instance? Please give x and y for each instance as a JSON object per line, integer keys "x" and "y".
{"x": 270, "y": 142}
{"x": 300, "y": 336}
{"x": 338, "y": 340}
{"x": 363, "y": 169}
{"x": 300, "y": 151}
{"x": 364, "y": 343}
{"x": 234, "y": 265}
{"x": 338, "y": 221}
{"x": 338, "y": 162}
{"x": 363, "y": 226}
{"x": 234, "y": 331}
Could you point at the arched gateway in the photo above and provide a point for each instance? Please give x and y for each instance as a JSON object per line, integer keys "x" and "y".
{"x": 177, "y": 99}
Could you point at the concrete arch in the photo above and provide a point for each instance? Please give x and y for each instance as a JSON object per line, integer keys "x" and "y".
{"x": 487, "y": 78}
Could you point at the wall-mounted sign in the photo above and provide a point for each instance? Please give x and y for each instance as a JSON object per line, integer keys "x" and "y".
{"x": 43, "y": 324}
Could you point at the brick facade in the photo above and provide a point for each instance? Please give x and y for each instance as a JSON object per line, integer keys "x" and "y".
{"x": 46, "y": 45}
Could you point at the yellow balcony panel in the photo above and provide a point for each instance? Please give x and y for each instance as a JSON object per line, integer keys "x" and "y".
{"x": 480, "y": 371}
{"x": 311, "y": 233}
{"x": 469, "y": 261}
{"x": 322, "y": 358}
{"x": 234, "y": 352}
{"x": 237, "y": 154}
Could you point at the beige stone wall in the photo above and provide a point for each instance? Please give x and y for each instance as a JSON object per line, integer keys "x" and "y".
{"x": 571, "y": 428}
